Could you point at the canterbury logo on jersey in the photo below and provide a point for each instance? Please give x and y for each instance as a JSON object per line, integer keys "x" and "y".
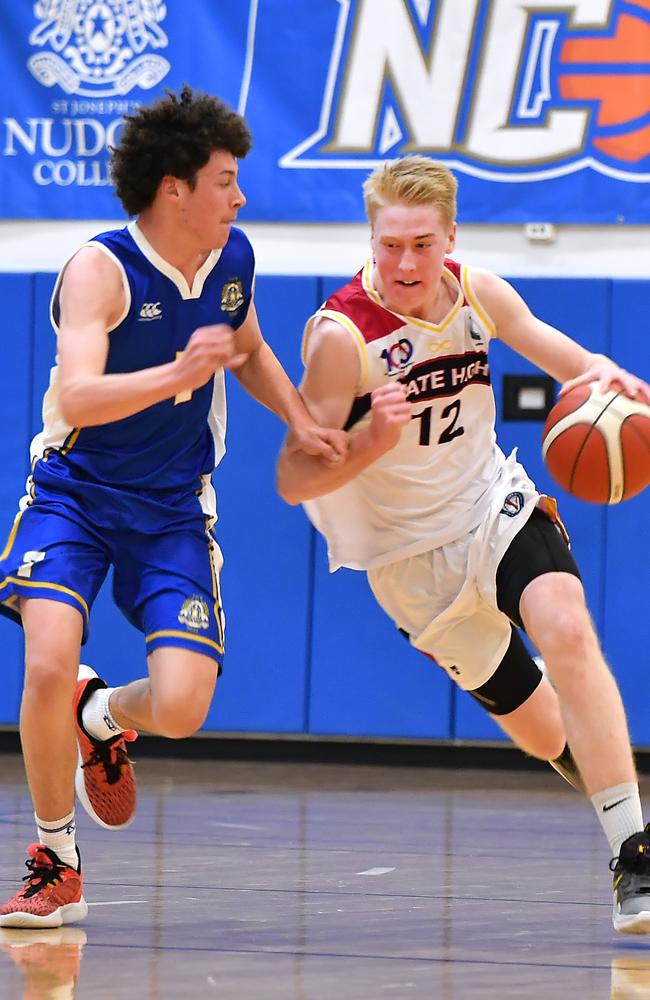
{"x": 446, "y": 376}
{"x": 151, "y": 310}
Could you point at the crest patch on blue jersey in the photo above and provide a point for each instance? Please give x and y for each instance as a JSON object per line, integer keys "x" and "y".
{"x": 232, "y": 295}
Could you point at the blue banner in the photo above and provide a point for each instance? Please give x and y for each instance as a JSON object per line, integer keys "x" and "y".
{"x": 542, "y": 109}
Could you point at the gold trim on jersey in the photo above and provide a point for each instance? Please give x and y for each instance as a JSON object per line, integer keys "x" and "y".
{"x": 47, "y": 586}
{"x": 470, "y": 294}
{"x": 72, "y": 440}
{"x": 62, "y": 449}
{"x": 169, "y": 633}
{"x": 348, "y": 325}
{"x": 424, "y": 324}
{"x": 12, "y": 535}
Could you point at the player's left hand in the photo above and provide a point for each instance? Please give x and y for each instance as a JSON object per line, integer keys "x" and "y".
{"x": 610, "y": 376}
{"x": 327, "y": 443}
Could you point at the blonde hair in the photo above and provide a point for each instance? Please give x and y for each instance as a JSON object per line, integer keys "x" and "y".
{"x": 411, "y": 180}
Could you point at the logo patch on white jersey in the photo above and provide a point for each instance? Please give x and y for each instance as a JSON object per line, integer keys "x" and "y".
{"x": 512, "y": 504}
{"x": 475, "y": 332}
{"x": 398, "y": 357}
{"x": 150, "y": 310}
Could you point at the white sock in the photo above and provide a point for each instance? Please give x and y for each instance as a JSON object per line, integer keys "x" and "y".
{"x": 59, "y": 836}
{"x": 96, "y": 715}
{"x": 619, "y": 811}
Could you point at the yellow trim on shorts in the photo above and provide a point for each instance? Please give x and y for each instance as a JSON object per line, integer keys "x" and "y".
{"x": 12, "y": 535}
{"x": 215, "y": 587}
{"x": 48, "y": 586}
{"x": 466, "y": 285}
{"x": 176, "y": 633}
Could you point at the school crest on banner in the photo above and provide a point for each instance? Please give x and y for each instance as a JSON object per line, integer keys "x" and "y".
{"x": 98, "y": 49}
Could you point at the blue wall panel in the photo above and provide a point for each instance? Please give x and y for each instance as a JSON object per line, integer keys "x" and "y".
{"x": 44, "y": 346}
{"x": 580, "y": 308}
{"x": 365, "y": 678}
{"x": 627, "y": 590}
{"x": 17, "y": 294}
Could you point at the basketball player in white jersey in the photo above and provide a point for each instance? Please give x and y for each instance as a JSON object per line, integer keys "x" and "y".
{"x": 147, "y": 318}
{"x": 459, "y": 547}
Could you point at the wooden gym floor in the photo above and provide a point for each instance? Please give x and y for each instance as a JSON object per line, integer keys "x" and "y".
{"x": 329, "y": 882}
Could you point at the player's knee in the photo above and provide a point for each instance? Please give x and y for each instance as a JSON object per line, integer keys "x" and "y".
{"x": 177, "y": 722}
{"x": 49, "y": 677}
{"x": 569, "y": 636}
{"x": 181, "y": 696}
{"x": 545, "y": 737}
{"x": 549, "y": 744}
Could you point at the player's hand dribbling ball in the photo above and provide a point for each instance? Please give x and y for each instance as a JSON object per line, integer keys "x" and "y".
{"x": 597, "y": 445}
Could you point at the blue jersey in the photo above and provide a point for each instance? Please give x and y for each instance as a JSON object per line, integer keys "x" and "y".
{"x": 175, "y": 444}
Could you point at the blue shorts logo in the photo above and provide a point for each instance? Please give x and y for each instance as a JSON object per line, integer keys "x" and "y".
{"x": 194, "y": 613}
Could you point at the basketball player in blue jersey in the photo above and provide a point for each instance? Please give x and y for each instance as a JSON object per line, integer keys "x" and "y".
{"x": 147, "y": 319}
{"x": 459, "y": 547}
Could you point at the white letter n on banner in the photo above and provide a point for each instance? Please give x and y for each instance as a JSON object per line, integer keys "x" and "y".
{"x": 384, "y": 45}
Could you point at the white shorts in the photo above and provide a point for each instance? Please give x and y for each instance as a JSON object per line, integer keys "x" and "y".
{"x": 446, "y": 600}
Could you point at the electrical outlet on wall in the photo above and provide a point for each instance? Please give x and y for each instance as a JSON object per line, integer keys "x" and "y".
{"x": 540, "y": 232}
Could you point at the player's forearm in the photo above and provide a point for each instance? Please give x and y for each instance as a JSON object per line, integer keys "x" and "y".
{"x": 89, "y": 401}
{"x": 303, "y": 477}
{"x": 265, "y": 380}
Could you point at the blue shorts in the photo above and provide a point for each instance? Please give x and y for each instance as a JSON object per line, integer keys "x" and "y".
{"x": 165, "y": 580}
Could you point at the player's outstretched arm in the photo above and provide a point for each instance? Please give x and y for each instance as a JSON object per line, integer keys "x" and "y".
{"x": 548, "y": 348}
{"x": 328, "y": 389}
{"x": 92, "y": 301}
{"x": 265, "y": 380}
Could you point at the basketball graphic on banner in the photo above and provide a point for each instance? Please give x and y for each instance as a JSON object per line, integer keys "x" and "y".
{"x": 591, "y": 69}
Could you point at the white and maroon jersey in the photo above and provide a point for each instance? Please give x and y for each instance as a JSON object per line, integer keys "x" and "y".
{"x": 435, "y": 485}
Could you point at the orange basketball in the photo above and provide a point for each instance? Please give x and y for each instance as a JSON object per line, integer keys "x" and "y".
{"x": 597, "y": 445}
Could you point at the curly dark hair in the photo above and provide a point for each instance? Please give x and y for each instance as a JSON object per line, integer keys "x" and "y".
{"x": 176, "y": 136}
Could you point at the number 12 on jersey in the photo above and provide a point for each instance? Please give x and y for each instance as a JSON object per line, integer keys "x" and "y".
{"x": 449, "y": 432}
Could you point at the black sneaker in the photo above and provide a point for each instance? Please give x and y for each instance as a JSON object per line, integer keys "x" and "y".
{"x": 632, "y": 884}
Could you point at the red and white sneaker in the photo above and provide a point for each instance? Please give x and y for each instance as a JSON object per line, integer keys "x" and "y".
{"x": 53, "y": 894}
{"x": 104, "y": 781}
